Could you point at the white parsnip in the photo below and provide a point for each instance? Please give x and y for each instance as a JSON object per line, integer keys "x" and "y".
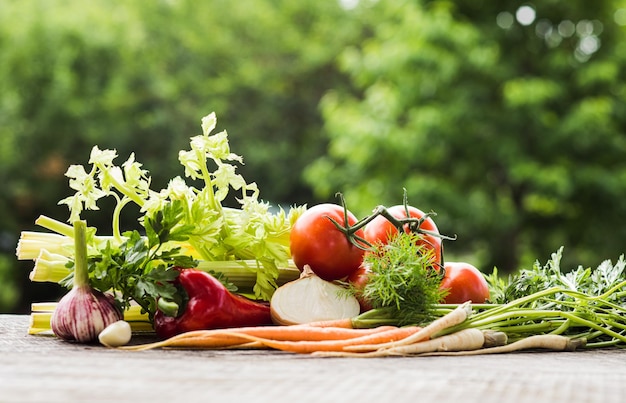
{"x": 463, "y": 340}
{"x": 540, "y": 342}
{"x": 455, "y": 317}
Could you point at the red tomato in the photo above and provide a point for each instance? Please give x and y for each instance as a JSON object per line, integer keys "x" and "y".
{"x": 380, "y": 229}
{"x": 315, "y": 241}
{"x": 359, "y": 280}
{"x": 464, "y": 282}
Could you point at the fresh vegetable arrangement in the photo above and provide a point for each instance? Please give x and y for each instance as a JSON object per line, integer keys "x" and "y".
{"x": 314, "y": 280}
{"x": 181, "y": 227}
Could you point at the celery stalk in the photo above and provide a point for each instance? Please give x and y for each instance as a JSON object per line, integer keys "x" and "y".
{"x": 50, "y": 267}
{"x": 42, "y": 312}
{"x": 242, "y": 273}
{"x": 51, "y": 253}
{"x": 32, "y": 243}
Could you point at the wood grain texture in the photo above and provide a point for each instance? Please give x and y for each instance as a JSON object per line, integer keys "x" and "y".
{"x": 45, "y": 369}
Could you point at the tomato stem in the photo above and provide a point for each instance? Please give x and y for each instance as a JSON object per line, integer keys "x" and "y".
{"x": 414, "y": 224}
{"x": 350, "y": 230}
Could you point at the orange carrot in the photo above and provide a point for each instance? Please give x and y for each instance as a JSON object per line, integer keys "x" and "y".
{"x": 215, "y": 342}
{"x": 310, "y": 333}
{"x": 336, "y": 323}
{"x": 292, "y": 332}
{"x": 207, "y": 341}
{"x": 306, "y": 347}
{"x": 222, "y": 338}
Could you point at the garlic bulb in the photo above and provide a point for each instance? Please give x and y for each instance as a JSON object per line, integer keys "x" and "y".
{"x": 83, "y": 312}
{"x": 311, "y": 299}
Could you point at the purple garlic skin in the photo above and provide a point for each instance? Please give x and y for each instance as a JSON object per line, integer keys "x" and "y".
{"x": 83, "y": 313}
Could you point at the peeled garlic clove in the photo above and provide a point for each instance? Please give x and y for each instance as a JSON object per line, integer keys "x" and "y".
{"x": 116, "y": 334}
{"x": 311, "y": 299}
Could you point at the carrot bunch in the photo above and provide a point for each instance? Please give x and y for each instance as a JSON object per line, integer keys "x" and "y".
{"x": 340, "y": 339}
{"x": 307, "y": 338}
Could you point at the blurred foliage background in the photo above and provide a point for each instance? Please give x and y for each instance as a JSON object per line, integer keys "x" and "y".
{"x": 507, "y": 119}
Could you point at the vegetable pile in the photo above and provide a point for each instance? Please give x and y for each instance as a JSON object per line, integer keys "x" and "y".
{"x": 180, "y": 227}
{"x": 314, "y": 280}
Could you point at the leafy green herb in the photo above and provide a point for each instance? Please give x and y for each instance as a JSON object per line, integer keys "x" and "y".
{"x": 402, "y": 286}
{"x": 142, "y": 269}
{"x": 541, "y": 277}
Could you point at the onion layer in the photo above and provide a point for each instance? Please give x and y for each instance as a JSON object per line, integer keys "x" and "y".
{"x": 311, "y": 299}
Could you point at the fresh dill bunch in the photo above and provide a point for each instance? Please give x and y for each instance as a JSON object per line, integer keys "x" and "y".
{"x": 403, "y": 280}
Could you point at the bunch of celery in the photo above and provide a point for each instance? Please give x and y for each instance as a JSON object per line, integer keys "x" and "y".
{"x": 248, "y": 246}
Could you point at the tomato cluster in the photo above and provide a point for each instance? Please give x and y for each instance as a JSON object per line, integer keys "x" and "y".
{"x": 328, "y": 238}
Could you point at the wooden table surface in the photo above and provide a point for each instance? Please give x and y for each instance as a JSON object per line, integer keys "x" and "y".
{"x": 45, "y": 369}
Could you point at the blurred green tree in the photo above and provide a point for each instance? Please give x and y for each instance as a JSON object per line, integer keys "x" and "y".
{"x": 139, "y": 76}
{"x": 507, "y": 119}
{"x": 504, "y": 118}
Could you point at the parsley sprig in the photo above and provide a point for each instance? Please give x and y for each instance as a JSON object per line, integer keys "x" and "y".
{"x": 540, "y": 277}
{"x": 142, "y": 268}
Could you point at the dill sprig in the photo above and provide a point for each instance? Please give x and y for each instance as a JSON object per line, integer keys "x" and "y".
{"x": 403, "y": 284}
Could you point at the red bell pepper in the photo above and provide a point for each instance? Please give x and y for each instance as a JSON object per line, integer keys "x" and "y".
{"x": 210, "y": 306}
